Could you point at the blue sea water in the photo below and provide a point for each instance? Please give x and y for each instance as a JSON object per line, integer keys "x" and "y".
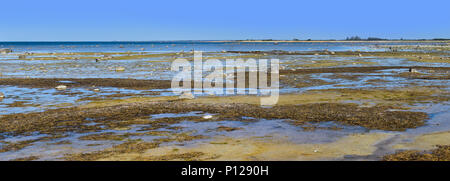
{"x": 175, "y": 46}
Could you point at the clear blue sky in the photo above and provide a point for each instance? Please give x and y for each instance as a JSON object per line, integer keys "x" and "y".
{"x": 84, "y": 20}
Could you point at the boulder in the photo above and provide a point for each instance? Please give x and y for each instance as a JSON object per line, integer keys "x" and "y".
{"x": 412, "y": 70}
{"x": 5, "y": 50}
{"x": 61, "y": 87}
{"x": 120, "y": 69}
{"x": 186, "y": 95}
{"x": 207, "y": 116}
{"x": 106, "y": 57}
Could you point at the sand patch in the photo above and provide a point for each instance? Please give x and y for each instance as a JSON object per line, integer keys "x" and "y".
{"x": 265, "y": 149}
{"x": 426, "y": 141}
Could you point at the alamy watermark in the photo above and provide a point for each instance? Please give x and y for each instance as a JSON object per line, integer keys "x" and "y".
{"x": 227, "y": 77}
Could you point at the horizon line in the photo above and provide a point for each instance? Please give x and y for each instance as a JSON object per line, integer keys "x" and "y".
{"x": 240, "y": 40}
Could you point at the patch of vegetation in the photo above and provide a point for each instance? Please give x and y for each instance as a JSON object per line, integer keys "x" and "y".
{"x": 190, "y": 156}
{"x": 441, "y": 153}
{"x": 88, "y": 82}
{"x": 103, "y": 136}
{"x": 22, "y": 104}
{"x": 131, "y": 146}
{"x": 29, "y": 158}
{"x": 227, "y": 129}
{"x": 16, "y": 145}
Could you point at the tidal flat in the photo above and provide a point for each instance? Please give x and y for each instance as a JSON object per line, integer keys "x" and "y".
{"x": 113, "y": 101}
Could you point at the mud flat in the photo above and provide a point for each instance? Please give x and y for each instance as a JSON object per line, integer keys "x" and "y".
{"x": 97, "y": 117}
{"x": 384, "y": 104}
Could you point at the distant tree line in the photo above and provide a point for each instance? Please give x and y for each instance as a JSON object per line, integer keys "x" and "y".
{"x": 353, "y": 38}
{"x": 441, "y": 39}
{"x": 357, "y": 38}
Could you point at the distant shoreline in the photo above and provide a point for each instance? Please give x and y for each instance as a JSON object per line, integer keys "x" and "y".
{"x": 331, "y": 41}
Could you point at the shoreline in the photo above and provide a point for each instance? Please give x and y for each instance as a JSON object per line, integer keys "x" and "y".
{"x": 330, "y": 41}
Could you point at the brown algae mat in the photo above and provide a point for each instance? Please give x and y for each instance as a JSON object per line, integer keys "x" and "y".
{"x": 74, "y": 119}
{"x": 88, "y": 82}
{"x": 440, "y": 153}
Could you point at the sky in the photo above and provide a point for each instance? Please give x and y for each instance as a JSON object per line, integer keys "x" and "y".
{"x": 146, "y": 20}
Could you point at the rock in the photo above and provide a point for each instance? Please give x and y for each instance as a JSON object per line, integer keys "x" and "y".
{"x": 22, "y": 56}
{"x": 2, "y": 95}
{"x": 96, "y": 90}
{"x": 5, "y": 50}
{"x": 359, "y": 55}
{"x": 106, "y": 57}
{"x": 186, "y": 95}
{"x": 332, "y": 53}
{"x": 412, "y": 70}
{"x": 61, "y": 87}
{"x": 120, "y": 69}
{"x": 207, "y": 116}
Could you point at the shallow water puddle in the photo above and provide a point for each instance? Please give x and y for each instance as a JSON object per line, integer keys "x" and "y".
{"x": 24, "y": 99}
